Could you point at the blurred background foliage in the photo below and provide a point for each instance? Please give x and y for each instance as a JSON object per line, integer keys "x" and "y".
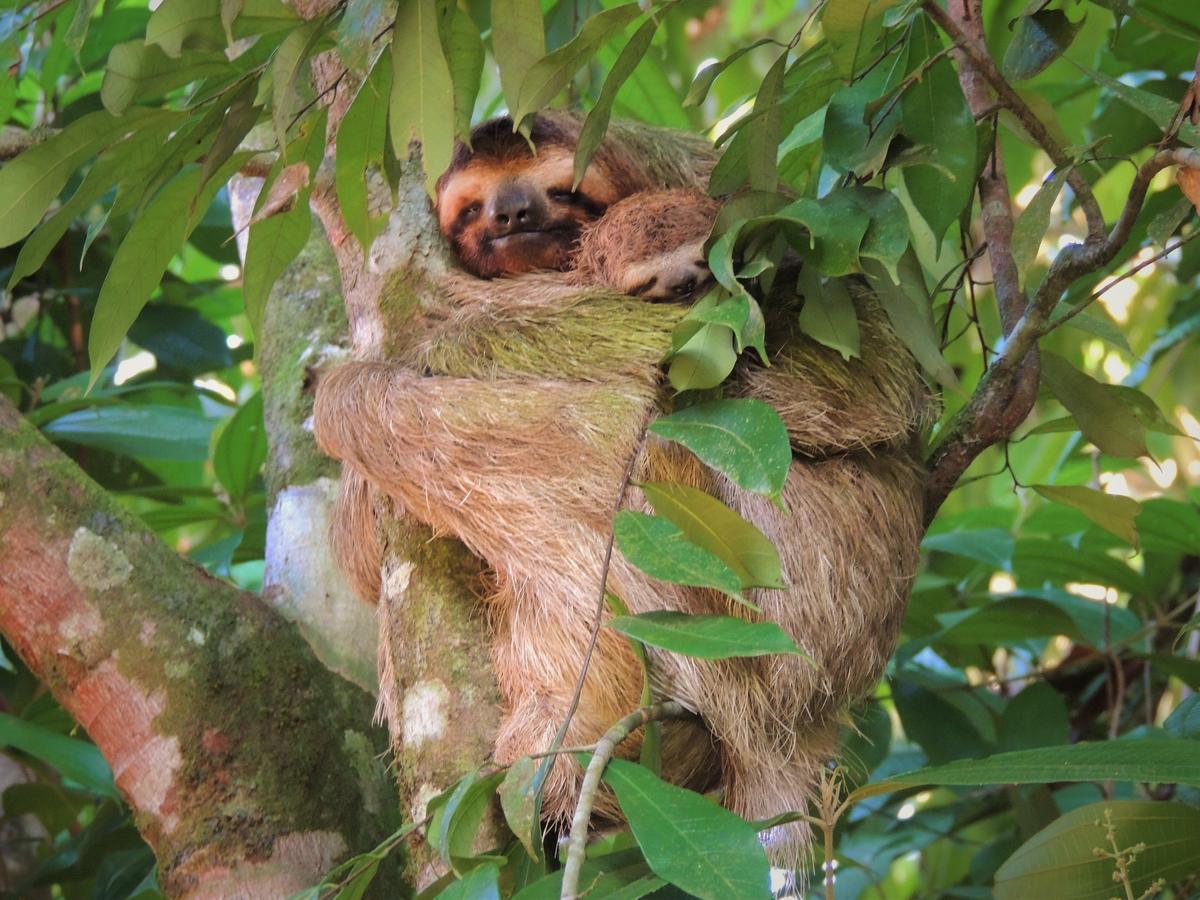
{"x": 1039, "y": 617}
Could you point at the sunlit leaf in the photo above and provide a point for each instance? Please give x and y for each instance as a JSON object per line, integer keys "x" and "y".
{"x": 744, "y": 439}
{"x": 1110, "y": 511}
{"x": 704, "y": 359}
{"x": 706, "y": 637}
{"x": 1030, "y": 226}
{"x": 659, "y": 548}
{"x": 518, "y": 41}
{"x": 1038, "y": 40}
{"x": 139, "y": 71}
{"x": 710, "y": 524}
{"x": 421, "y": 104}
{"x": 1102, "y": 413}
{"x": 688, "y": 840}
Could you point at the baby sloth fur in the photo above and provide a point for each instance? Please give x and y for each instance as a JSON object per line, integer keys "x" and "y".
{"x": 507, "y": 418}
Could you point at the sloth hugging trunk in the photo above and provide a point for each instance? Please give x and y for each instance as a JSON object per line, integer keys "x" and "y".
{"x": 511, "y": 410}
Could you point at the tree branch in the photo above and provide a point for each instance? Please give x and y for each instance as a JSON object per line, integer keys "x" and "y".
{"x": 249, "y": 767}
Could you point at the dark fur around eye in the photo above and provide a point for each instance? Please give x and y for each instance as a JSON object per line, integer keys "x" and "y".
{"x": 576, "y": 198}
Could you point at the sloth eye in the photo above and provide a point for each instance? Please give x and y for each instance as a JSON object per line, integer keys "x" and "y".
{"x": 563, "y": 195}
{"x": 471, "y": 209}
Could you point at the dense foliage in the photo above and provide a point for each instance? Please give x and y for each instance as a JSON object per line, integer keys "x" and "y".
{"x": 1041, "y": 701}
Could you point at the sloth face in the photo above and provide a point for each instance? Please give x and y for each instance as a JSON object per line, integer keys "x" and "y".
{"x": 512, "y": 212}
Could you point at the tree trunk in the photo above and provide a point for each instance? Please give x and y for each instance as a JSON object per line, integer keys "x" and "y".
{"x": 251, "y": 769}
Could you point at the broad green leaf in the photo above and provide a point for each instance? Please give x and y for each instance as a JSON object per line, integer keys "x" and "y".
{"x": 743, "y": 439}
{"x": 659, "y": 548}
{"x": 689, "y": 840}
{"x": 1100, "y": 410}
{"x": 1111, "y": 512}
{"x": 710, "y": 524}
{"x": 1169, "y": 526}
{"x": 1165, "y": 760}
{"x": 852, "y": 27}
{"x": 288, "y": 68}
{"x": 462, "y": 816}
{"x": 553, "y": 72}
{"x": 230, "y": 10}
{"x": 935, "y": 114}
{"x": 908, "y": 309}
{"x": 361, "y": 138}
{"x": 480, "y": 883}
{"x": 1031, "y": 224}
{"x": 464, "y": 55}
{"x": 1166, "y": 223}
{"x": 621, "y": 875}
{"x": 156, "y": 432}
{"x": 704, "y": 79}
{"x": 110, "y": 167}
{"x": 990, "y": 546}
{"x": 30, "y": 182}
{"x": 240, "y": 117}
{"x": 273, "y": 243}
{"x": 421, "y": 104}
{"x": 1037, "y": 561}
{"x": 178, "y": 25}
{"x": 518, "y": 41}
{"x": 762, "y": 131}
{"x": 1160, "y": 110}
{"x": 1036, "y": 717}
{"x": 828, "y": 315}
{"x": 185, "y": 342}
{"x": 139, "y": 71}
{"x": 704, "y": 360}
{"x": 154, "y": 238}
{"x": 241, "y": 449}
{"x": 75, "y": 759}
{"x": 1184, "y": 720}
{"x": 706, "y": 637}
{"x": 596, "y": 123}
{"x": 1062, "y": 861}
{"x": 356, "y": 31}
{"x": 519, "y": 802}
{"x": 1035, "y": 614}
{"x": 1039, "y": 39}
{"x": 943, "y": 730}
{"x": 887, "y": 235}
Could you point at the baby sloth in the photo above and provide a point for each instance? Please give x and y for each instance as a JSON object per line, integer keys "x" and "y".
{"x": 507, "y": 210}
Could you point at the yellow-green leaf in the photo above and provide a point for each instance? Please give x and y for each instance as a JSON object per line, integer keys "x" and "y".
{"x": 1111, "y": 512}
{"x": 421, "y": 104}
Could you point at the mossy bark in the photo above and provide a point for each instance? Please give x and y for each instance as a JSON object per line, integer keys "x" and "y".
{"x": 250, "y": 767}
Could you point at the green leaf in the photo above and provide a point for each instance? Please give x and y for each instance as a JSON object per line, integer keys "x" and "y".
{"x": 1039, "y": 39}
{"x": 288, "y": 66}
{"x": 1061, "y": 860}
{"x": 455, "y": 826}
{"x": 464, "y": 56}
{"x": 138, "y": 71}
{"x": 1036, "y": 717}
{"x": 481, "y": 883}
{"x": 518, "y": 800}
{"x": 659, "y": 548}
{"x": 154, "y": 238}
{"x": 990, "y": 546}
{"x": 887, "y": 235}
{"x": 704, "y": 79}
{"x": 271, "y": 246}
{"x": 1169, "y": 526}
{"x": 421, "y": 104}
{"x": 1111, "y": 512}
{"x": 706, "y": 637}
{"x": 178, "y": 25}
{"x": 31, "y": 181}
{"x": 361, "y": 138}
{"x": 622, "y": 875}
{"x": 156, "y": 432}
{"x": 596, "y": 123}
{"x": 553, "y": 72}
{"x": 241, "y": 449}
{"x": 743, "y": 439}
{"x": 852, "y": 27}
{"x": 908, "y": 309}
{"x": 518, "y": 41}
{"x": 943, "y": 730}
{"x": 1184, "y": 720}
{"x": 688, "y": 840}
{"x": 710, "y": 524}
{"x": 1164, "y": 760}
{"x": 704, "y": 360}
{"x": 1100, "y": 410}
{"x": 1167, "y": 222}
{"x": 828, "y": 315}
{"x": 1160, "y": 110}
{"x": 1031, "y": 224}
{"x": 1038, "y": 561}
{"x": 935, "y": 114}
{"x": 76, "y": 760}
{"x": 763, "y": 129}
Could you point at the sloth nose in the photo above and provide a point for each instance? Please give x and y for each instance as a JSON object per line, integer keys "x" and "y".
{"x": 515, "y": 208}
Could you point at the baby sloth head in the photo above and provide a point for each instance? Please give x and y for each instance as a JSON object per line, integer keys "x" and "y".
{"x": 650, "y": 245}
{"x": 507, "y": 210}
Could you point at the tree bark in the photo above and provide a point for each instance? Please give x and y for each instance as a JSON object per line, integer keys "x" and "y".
{"x": 251, "y": 769}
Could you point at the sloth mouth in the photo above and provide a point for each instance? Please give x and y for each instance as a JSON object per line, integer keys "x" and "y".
{"x": 559, "y": 234}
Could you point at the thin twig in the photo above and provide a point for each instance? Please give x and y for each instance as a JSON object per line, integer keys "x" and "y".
{"x": 605, "y": 747}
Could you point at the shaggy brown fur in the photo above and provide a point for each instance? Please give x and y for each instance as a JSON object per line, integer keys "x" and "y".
{"x": 507, "y": 421}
